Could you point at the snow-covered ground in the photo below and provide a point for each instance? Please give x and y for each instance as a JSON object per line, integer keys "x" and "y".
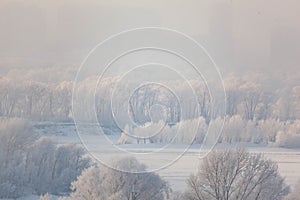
{"x": 178, "y": 166}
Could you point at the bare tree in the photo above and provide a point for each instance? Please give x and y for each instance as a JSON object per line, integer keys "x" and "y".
{"x": 236, "y": 174}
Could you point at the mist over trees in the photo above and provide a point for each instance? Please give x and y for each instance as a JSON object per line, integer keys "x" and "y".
{"x": 255, "y": 111}
{"x": 251, "y": 99}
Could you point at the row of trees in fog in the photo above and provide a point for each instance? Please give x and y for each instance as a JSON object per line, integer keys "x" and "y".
{"x": 35, "y": 100}
{"x": 33, "y": 164}
{"x": 250, "y": 100}
{"x": 235, "y": 129}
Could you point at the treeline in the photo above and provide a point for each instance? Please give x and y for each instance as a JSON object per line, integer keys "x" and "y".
{"x": 249, "y": 99}
{"x": 35, "y": 100}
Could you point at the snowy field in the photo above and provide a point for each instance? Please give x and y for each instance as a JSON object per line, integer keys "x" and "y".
{"x": 176, "y": 172}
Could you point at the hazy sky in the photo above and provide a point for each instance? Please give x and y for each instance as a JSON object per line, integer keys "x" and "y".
{"x": 254, "y": 34}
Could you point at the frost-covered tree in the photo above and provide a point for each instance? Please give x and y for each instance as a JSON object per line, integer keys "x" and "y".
{"x": 250, "y": 99}
{"x": 111, "y": 184}
{"x": 39, "y": 160}
{"x": 63, "y": 96}
{"x": 87, "y": 185}
{"x": 236, "y": 174}
{"x": 296, "y": 101}
{"x": 10, "y": 94}
{"x": 253, "y": 134}
{"x": 213, "y": 135}
{"x": 270, "y": 128}
{"x": 233, "y": 129}
{"x": 32, "y": 164}
{"x": 233, "y": 96}
{"x": 186, "y": 131}
{"x": 283, "y": 109}
{"x": 16, "y": 136}
{"x": 289, "y": 137}
{"x": 52, "y": 168}
{"x": 264, "y": 108}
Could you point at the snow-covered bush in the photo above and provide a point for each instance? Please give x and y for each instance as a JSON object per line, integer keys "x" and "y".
{"x": 185, "y": 131}
{"x": 233, "y": 129}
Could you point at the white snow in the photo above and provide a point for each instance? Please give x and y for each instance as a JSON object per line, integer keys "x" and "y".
{"x": 288, "y": 159}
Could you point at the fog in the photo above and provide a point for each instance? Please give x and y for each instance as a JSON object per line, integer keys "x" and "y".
{"x": 240, "y": 36}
